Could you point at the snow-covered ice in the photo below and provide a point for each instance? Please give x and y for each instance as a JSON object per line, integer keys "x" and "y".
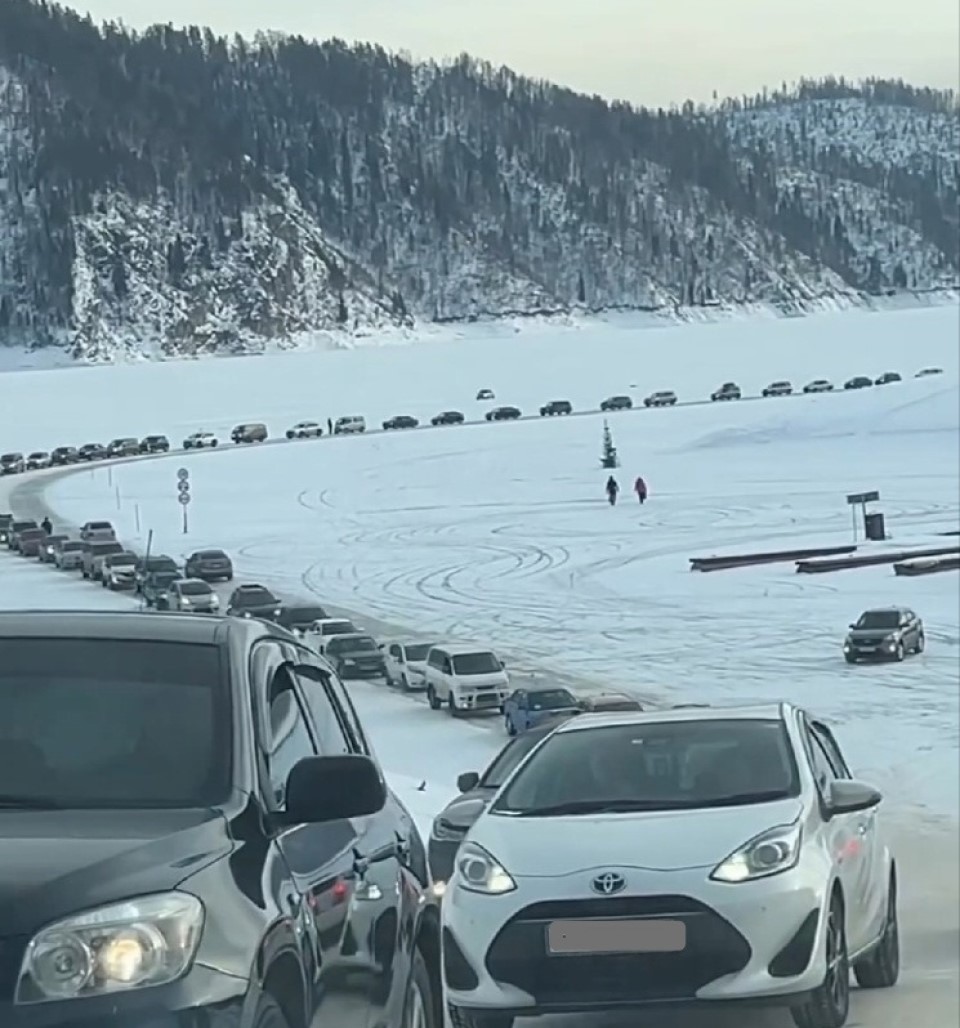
{"x": 501, "y": 532}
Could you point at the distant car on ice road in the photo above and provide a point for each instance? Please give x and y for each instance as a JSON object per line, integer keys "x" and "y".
{"x": 885, "y": 633}
{"x": 526, "y": 708}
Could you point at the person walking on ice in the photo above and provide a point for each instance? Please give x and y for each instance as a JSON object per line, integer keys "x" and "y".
{"x": 640, "y": 488}
{"x": 613, "y": 488}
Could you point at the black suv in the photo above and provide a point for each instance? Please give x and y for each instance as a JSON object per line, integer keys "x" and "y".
{"x": 885, "y": 633}
{"x": 154, "y": 585}
{"x": 243, "y": 860}
{"x": 858, "y": 382}
{"x": 146, "y": 566}
{"x": 556, "y": 407}
{"x": 298, "y": 617}
{"x": 400, "y": 421}
{"x": 253, "y": 601}
{"x": 209, "y": 565}
{"x": 728, "y": 391}
{"x": 447, "y": 417}
{"x": 12, "y": 464}
{"x": 503, "y": 414}
{"x": 154, "y": 444}
{"x": 64, "y": 455}
{"x": 617, "y": 403}
{"x": 126, "y": 446}
{"x": 92, "y": 451}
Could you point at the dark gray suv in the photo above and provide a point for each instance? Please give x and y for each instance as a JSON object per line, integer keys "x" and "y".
{"x": 209, "y": 565}
{"x": 885, "y": 633}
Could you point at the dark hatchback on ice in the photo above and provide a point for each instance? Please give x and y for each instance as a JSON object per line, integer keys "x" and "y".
{"x": 194, "y": 833}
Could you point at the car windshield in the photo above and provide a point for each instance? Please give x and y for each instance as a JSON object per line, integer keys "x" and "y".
{"x": 675, "y": 765}
{"x": 254, "y": 597}
{"x": 879, "y": 619}
{"x": 122, "y": 559}
{"x": 71, "y": 547}
{"x": 11, "y": 456}
{"x": 337, "y": 628}
{"x": 99, "y": 526}
{"x": 104, "y": 549}
{"x": 195, "y": 589}
{"x": 551, "y": 699}
{"x": 483, "y": 663}
{"x": 32, "y": 533}
{"x": 163, "y": 578}
{"x": 351, "y": 644}
{"x": 417, "y": 652}
{"x": 507, "y": 759}
{"x": 300, "y": 615}
{"x": 88, "y": 723}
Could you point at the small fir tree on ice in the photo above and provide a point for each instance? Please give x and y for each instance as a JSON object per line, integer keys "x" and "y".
{"x": 609, "y": 458}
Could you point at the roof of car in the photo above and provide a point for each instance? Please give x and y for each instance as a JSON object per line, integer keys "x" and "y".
{"x": 89, "y": 624}
{"x": 761, "y": 712}
{"x": 462, "y": 649}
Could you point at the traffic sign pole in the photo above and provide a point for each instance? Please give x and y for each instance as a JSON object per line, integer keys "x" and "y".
{"x": 183, "y": 496}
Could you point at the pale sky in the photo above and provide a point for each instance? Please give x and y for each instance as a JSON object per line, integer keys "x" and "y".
{"x": 650, "y": 52}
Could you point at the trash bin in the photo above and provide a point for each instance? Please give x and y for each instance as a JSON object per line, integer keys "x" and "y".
{"x": 874, "y": 527}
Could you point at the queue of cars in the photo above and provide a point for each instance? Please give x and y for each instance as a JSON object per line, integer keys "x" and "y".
{"x": 257, "y": 432}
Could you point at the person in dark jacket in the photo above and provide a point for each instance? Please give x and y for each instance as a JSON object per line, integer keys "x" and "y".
{"x": 613, "y": 488}
{"x": 640, "y": 488}
{"x": 47, "y": 526}
{"x": 329, "y": 426}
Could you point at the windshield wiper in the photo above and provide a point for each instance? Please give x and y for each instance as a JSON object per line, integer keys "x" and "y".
{"x": 599, "y": 807}
{"x": 736, "y": 799}
{"x": 12, "y": 802}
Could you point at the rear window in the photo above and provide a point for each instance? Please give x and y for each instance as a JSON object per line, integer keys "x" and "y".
{"x": 99, "y": 526}
{"x": 87, "y": 723}
{"x": 72, "y": 547}
{"x": 337, "y": 628}
{"x": 195, "y": 589}
{"x": 102, "y": 549}
{"x": 212, "y": 555}
{"x": 32, "y": 533}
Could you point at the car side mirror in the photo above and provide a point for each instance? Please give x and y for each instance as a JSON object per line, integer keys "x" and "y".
{"x": 503, "y": 665}
{"x": 852, "y": 625}
{"x": 467, "y": 781}
{"x": 322, "y": 789}
{"x": 847, "y": 796}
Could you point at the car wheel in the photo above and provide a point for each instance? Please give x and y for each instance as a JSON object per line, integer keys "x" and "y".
{"x": 899, "y": 653}
{"x": 850, "y": 658}
{"x": 829, "y": 1004}
{"x": 432, "y": 698}
{"x": 452, "y": 705}
{"x": 404, "y": 682}
{"x": 268, "y": 1014}
{"x": 921, "y": 643}
{"x": 420, "y": 1007}
{"x": 880, "y": 969}
{"x": 460, "y": 1018}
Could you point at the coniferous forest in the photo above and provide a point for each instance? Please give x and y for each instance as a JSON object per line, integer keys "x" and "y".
{"x": 171, "y": 191}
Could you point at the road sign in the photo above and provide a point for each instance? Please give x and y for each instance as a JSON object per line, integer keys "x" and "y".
{"x": 184, "y": 498}
{"x": 183, "y": 474}
{"x": 183, "y": 487}
{"x": 862, "y": 498}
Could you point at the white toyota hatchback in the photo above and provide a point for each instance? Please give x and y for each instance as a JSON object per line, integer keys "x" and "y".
{"x": 698, "y": 856}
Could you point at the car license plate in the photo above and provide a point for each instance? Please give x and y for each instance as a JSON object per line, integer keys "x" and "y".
{"x": 616, "y": 936}
{"x": 868, "y": 649}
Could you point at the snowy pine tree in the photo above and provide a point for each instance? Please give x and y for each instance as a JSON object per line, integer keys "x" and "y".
{"x": 609, "y": 457}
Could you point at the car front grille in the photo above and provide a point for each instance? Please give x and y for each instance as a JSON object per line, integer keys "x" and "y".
{"x": 519, "y": 955}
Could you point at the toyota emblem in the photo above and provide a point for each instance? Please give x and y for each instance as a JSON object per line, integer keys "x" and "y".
{"x": 608, "y": 884}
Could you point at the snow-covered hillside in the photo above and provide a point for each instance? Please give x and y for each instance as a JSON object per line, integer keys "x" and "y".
{"x": 197, "y": 195}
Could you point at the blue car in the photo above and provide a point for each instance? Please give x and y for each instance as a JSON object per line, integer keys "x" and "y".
{"x": 527, "y": 708}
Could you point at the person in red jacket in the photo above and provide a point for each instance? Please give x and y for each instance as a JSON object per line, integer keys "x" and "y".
{"x": 640, "y": 488}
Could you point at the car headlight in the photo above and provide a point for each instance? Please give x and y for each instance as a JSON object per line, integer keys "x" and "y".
{"x": 769, "y": 853}
{"x": 890, "y": 642}
{"x": 140, "y": 942}
{"x": 214, "y": 600}
{"x": 478, "y": 871}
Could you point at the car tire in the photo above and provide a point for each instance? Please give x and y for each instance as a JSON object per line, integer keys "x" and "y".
{"x": 215, "y": 443}
{"x": 452, "y": 706}
{"x": 921, "y": 643}
{"x": 404, "y": 682}
{"x": 880, "y": 969}
{"x": 850, "y": 659}
{"x": 433, "y": 699}
{"x": 269, "y": 1014}
{"x": 899, "y": 653}
{"x": 420, "y": 1008}
{"x": 829, "y": 1004}
{"x": 510, "y": 726}
{"x": 460, "y": 1018}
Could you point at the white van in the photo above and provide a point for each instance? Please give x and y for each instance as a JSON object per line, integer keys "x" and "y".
{"x": 352, "y": 425}
{"x": 465, "y": 678}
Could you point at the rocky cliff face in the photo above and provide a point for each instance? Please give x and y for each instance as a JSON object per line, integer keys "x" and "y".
{"x": 194, "y": 197}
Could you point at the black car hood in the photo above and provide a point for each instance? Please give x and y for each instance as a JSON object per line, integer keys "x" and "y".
{"x": 464, "y": 810}
{"x": 53, "y": 863}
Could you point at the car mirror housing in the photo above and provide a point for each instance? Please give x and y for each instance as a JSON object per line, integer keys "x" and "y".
{"x": 321, "y": 789}
{"x": 847, "y": 796}
{"x": 467, "y": 781}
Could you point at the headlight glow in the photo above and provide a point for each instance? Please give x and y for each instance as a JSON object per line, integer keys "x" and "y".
{"x": 770, "y": 853}
{"x": 479, "y": 871}
{"x": 138, "y": 943}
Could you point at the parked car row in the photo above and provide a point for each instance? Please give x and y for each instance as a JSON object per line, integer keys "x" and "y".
{"x": 256, "y": 432}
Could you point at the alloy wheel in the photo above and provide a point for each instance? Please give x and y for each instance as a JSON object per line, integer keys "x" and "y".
{"x": 838, "y": 967}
